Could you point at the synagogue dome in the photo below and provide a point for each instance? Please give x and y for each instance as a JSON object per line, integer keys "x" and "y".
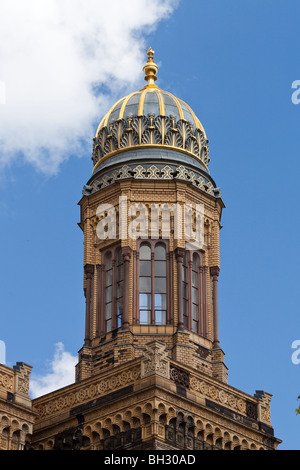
{"x": 150, "y": 118}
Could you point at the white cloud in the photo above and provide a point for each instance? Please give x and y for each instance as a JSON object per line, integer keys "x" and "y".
{"x": 53, "y": 54}
{"x": 61, "y": 373}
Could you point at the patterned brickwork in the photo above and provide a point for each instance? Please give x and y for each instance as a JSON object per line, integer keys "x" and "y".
{"x": 153, "y": 401}
{"x": 149, "y": 192}
{"x": 16, "y": 415}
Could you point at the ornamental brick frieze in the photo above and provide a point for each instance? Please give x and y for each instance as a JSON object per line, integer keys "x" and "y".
{"x": 265, "y": 400}
{"x": 14, "y": 383}
{"x": 226, "y": 398}
{"x": 155, "y": 415}
{"x": 266, "y": 414}
{"x": 80, "y": 394}
{"x": 180, "y": 376}
{"x": 155, "y": 360}
{"x": 22, "y": 384}
{"x": 227, "y": 407}
{"x": 143, "y": 171}
{"x": 6, "y": 381}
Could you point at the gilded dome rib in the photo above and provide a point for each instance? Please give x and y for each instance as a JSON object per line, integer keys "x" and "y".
{"x": 162, "y": 111}
{"x": 142, "y": 101}
{"x": 112, "y": 110}
{"x": 121, "y": 114}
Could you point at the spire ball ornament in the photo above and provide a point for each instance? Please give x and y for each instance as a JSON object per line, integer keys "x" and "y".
{"x": 150, "y": 69}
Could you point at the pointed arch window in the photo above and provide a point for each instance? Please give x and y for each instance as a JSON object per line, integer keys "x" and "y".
{"x": 153, "y": 299}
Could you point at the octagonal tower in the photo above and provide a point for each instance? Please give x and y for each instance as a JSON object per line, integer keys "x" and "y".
{"x": 151, "y": 372}
{"x": 151, "y": 214}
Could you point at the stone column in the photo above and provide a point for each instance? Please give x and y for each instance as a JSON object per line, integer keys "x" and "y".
{"x": 214, "y": 271}
{"x": 179, "y": 257}
{"x": 126, "y": 252}
{"x": 190, "y": 290}
{"x": 89, "y": 272}
{"x": 100, "y": 325}
{"x": 204, "y": 300}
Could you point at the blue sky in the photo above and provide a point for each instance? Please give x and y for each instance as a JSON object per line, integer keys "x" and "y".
{"x": 234, "y": 63}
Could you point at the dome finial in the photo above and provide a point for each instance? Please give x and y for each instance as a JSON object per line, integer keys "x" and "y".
{"x": 150, "y": 68}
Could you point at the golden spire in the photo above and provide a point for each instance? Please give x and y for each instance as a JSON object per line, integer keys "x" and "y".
{"x": 150, "y": 68}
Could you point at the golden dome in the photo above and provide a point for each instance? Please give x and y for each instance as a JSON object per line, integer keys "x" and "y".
{"x": 150, "y": 117}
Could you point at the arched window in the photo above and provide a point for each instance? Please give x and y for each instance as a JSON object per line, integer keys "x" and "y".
{"x": 152, "y": 283}
{"x": 114, "y": 282}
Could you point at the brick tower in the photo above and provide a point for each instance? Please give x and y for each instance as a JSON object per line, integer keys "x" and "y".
{"x": 151, "y": 372}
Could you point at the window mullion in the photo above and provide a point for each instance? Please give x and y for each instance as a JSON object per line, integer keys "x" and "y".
{"x": 152, "y": 288}
{"x": 200, "y": 302}
{"x": 114, "y": 292}
{"x": 190, "y": 290}
{"x": 169, "y": 289}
